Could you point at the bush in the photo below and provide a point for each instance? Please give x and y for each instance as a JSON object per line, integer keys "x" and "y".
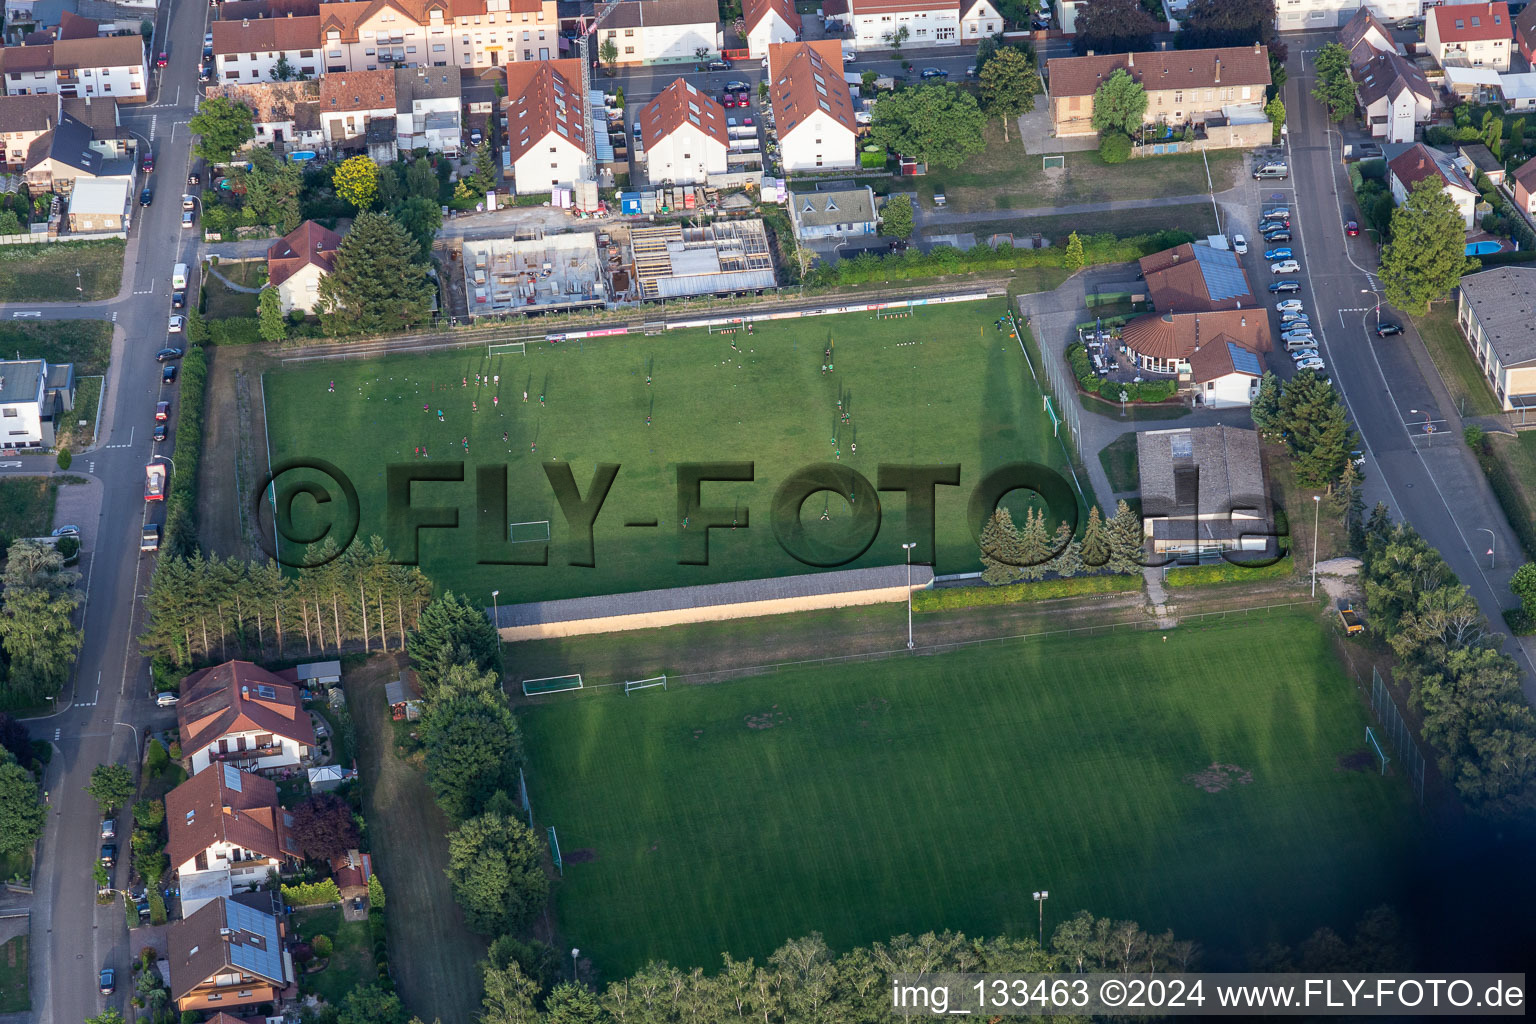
{"x": 953, "y": 598}
{"x": 1227, "y": 572}
{"x": 1115, "y": 148}
{"x": 180, "y": 537}
{"x": 65, "y": 458}
{"x": 308, "y": 894}
{"x": 156, "y": 906}
{"x": 1510, "y": 499}
{"x": 68, "y": 548}
{"x": 871, "y": 161}
{"x": 1520, "y": 621}
{"x": 322, "y": 945}
{"x": 1472, "y": 434}
{"x": 240, "y": 331}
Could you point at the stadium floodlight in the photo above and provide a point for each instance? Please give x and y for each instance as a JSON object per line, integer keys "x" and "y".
{"x": 575, "y": 970}
{"x": 908, "y": 548}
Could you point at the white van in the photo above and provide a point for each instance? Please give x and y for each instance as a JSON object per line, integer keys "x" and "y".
{"x": 1298, "y": 343}
{"x": 179, "y": 277}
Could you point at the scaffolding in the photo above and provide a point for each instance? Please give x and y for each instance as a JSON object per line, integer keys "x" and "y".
{"x": 672, "y": 261}
{"x": 533, "y": 275}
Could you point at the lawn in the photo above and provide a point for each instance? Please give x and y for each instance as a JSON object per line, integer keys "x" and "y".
{"x": 898, "y": 380}
{"x": 46, "y": 273}
{"x": 1119, "y": 461}
{"x": 1518, "y": 456}
{"x": 870, "y": 799}
{"x": 351, "y": 963}
{"x": 1005, "y": 177}
{"x": 1457, "y": 365}
{"x": 26, "y": 507}
{"x": 86, "y": 343}
{"x": 14, "y": 997}
{"x": 1197, "y": 218}
{"x": 79, "y": 428}
{"x": 222, "y": 302}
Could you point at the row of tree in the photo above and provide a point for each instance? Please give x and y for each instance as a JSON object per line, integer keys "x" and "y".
{"x": 205, "y": 609}
{"x": 1009, "y": 554}
{"x": 1307, "y": 414}
{"x": 22, "y": 813}
{"x": 1465, "y": 688}
{"x": 38, "y": 634}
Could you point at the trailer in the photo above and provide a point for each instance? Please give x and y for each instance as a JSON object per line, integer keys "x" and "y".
{"x": 154, "y": 482}
{"x": 1351, "y": 621}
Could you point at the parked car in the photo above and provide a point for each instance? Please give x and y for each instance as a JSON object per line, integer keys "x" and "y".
{"x": 162, "y": 60}
{"x": 166, "y": 700}
{"x": 149, "y": 163}
{"x": 186, "y": 218}
{"x": 1314, "y": 364}
{"x": 162, "y": 411}
{"x": 168, "y": 374}
{"x": 1352, "y": 229}
{"x": 178, "y": 300}
{"x": 726, "y": 100}
{"x": 109, "y": 828}
{"x": 1272, "y": 171}
{"x": 734, "y": 86}
{"x": 1296, "y": 332}
{"x": 1300, "y": 343}
{"x": 1277, "y": 211}
{"x": 109, "y": 854}
{"x": 1301, "y": 355}
{"x": 1277, "y": 236}
{"x": 935, "y": 73}
{"x": 1289, "y": 305}
{"x": 1386, "y": 330}
{"x": 1287, "y": 320}
{"x": 718, "y": 65}
{"x": 1282, "y": 253}
{"x": 1285, "y": 287}
{"x": 67, "y": 531}
{"x": 178, "y": 322}
{"x": 160, "y": 431}
{"x": 1239, "y": 244}
{"x": 849, "y": 57}
{"x": 107, "y": 983}
{"x": 168, "y": 353}
{"x": 1285, "y": 267}
{"x": 1274, "y": 223}
{"x": 146, "y": 197}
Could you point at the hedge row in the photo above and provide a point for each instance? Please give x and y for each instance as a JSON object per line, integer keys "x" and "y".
{"x": 307, "y": 894}
{"x": 945, "y": 259}
{"x": 180, "y": 533}
{"x": 1146, "y": 391}
{"x": 237, "y": 331}
{"x": 1510, "y": 498}
{"x": 953, "y": 598}
{"x": 1227, "y": 572}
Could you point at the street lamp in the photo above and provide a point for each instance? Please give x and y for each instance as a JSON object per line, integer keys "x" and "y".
{"x": 496, "y": 625}
{"x": 1040, "y": 897}
{"x": 908, "y": 548}
{"x": 1429, "y": 426}
{"x": 575, "y": 970}
{"x": 1372, "y": 291}
{"x": 1493, "y": 543}
{"x": 167, "y": 458}
{"x": 1317, "y": 504}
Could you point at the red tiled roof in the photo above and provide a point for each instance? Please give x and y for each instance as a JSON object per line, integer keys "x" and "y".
{"x": 206, "y": 810}
{"x": 1176, "y": 282}
{"x": 73, "y": 54}
{"x": 72, "y": 26}
{"x": 352, "y": 870}
{"x": 543, "y": 97}
{"x": 1177, "y": 335}
{"x": 754, "y": 11}
{"x": 265, "y": 35}
{"x": 222, "y": 699}
{"x": 806, "y": 77}
{"x": 902, "y": 6}
{"x": 1214, "y": 360}
{"x": 309, "y": 243}
{"x": 1525, "y": 174}
{"x": 1416, "y": 163}
{"x": 679, "y": 104}
{"x": 1464, "y": 23}
{"x": 357, "y": 90}
{"x": 1161, "y": 69}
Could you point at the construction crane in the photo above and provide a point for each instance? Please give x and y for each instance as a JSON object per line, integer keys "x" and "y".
{"x": 588, "y": 40}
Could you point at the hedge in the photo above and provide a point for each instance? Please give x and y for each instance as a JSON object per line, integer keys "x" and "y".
{"x": 1520, "y": 622}
{"x": 1510, "y": 499}
{"x": 237, "y": 331}
{"x": 1227, "y": 572}
{"x": 1087, "y": 380}
{"x": 953, "y": 598}
{"x": 307, "y": 894}
{"x": 181, "y": 497}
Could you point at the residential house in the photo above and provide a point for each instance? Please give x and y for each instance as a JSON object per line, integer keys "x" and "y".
{"x": 1166, "y": 343}
{"x": 1195, "y": 277}
{"x": 768, "y": 22}
{"x": 427, "y": 110}
{"x": 927, "y": 23}
{"x": 240, "y": 10}
{"x": 1364, "y": 36}
{"x": 101, "y": 116}
{"x": 979, "y": 20}
{"x": 1202, "y": 491}
{"x": 661, "y": 31}
{"x": 34, "y": 395}
{"x": 1525, "y": 34}
{"x": 684, "y": 135}
{"x": 296, "y": 263}
{"x": 546, "y": 144}
{"x": 351, "y": 871}
{"x": 227, "y": 822}
{"x": 1524, "y": 178}
{"x": 1496, "y": 311}
{"x": 266, "y": 49}
{"x": 1474, "y": 158}
{"x": 1225, "y": 375}
{"x": 58, "y": 158}
{"x": 1470, "y": 35}
{"x": 849, "y": 213}
{"x": 367, "y": 35}
{"x": 100, "y": 205}
{"x": 23, "y": 119}
{"x": 1395, "y": 96}
{"x": 1219, "y": 91}
{"x": 1066, "y": 15}
{"x": 229, "y": 955}
{"x": 285, "y": 115}
{"x": 1418, "y": 162}
{"x": 351, "y": 101}
{"x": 811, "y": 106}
{"x": 98, "y": 66}
{"x": 240, "y": 713}
{"x": 1313, "y": 15}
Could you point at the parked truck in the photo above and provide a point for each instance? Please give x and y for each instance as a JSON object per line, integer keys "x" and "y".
{"x": 1351, "y": 621}
{"x": 154, "y": 482}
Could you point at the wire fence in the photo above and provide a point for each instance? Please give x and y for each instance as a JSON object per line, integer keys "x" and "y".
{"x": 1397, "y": 733}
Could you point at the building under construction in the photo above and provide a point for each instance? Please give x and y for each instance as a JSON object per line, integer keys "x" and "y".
{"x": 534, "y": 275}
{"x": 674, "y": 261}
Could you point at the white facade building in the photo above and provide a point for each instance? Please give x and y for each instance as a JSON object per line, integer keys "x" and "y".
{"x": 545, "y": 141}
{"x": 685, "y": 135}
{"x": 662, "y": 31}
{"x": 251, "y": 51}
{"x": 112, "y": 66}
{"x": 980, "y": 20}
{"x": 769, "y": 22}
{"x": 928, "y": 23}
{"x": 811, "y": 106}
{"x": 1299, "y": 15}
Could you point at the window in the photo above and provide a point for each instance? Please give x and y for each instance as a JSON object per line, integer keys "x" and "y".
{"x": 629, "y": 49}
{"x": 11, "y": 412}
{"x": 438, "y": 47}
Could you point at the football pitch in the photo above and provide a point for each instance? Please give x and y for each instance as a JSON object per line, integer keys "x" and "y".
{"x": 1193, "y": 784}
{"x": 942, "y": 386}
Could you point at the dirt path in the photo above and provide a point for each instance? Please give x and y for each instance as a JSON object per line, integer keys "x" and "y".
{"x": 434, "y": 955}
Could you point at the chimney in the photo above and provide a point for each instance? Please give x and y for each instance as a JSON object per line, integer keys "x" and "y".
{"x": 1130, "y": 60}
{"x": 1089, "y": 53}
{"x": 245, "y": 23}
{"x": 1255, "y": 49}
{"x": 1218, "y": 70}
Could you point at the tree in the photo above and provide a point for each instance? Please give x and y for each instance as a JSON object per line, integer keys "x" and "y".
{"x": 10, "y": 224}
{"x": 473, "y": 750}
{"x": 1114, "y": 26}
{"x": 107, "y": 1016}
{"x": 509, "y": 996}
{"x": 999, "y": 548}
{"x": 269, "y": 312}
{"x": 197, "y": 327}
{"x": 22, "y": 814}
{"x": 1034, "y": 546}
{"x": 272, "y": 190}
{"x": 484, "y": 177}
{"x": 356, "y": 180}
{"x": 896, "y": 217}
{"x": 322, "y": 945}
{"x": 1278, "y": 76}
{"x": 1009, "y": 82}
{"x": 608, "y": 53}
{"x": 1208, "y": 23}
{"x": 323, "y": 827}
{"x": 1114, "y": 148}
{"x": 421, "y": 217}
{"x": 1075, "y": 259}
{"x": 1523, "y": 585}
{"x": 375, "y": 892}
{"x": 376, "y": 284}
{"x": 1096, "y": 549}
{"x": 1317, "y": 429}
{"x": 421, "y": 180}
{"x": 934, "y": 124}
{"x": 283, "y": 70}
{"x": 149, "y": 814}
{"x": 1125, "y": 540}
{"x": 1275, "y": 111}
{"x": 15, "y": 741}
{"x": 1119, "y": 104}
{"x": 571, "y": 1003}
{"x": 1335, "y": 89}
{"x": 1068, "y": 561}
{"x": 495, "y": 866}
{"x": 223, "y": 126}
{"x": 1265, "y": 407}
{"x": 371, "y": 1005}
{"x": 896, "y": 40}
{"x": 451, "y": 631}
{"x": 40, "y": 640}
{"x": 111, "y": 785}
{"x": 1427, "y": 254}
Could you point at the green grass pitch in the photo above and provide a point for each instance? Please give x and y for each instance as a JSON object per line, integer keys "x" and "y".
{"x": 940, "y": 386}
{"x": 874, "y": 798}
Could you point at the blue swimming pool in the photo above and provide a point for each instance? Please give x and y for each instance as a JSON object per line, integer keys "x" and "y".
{"x": 1482, "y": 248}
{"x": 301, "y": 156}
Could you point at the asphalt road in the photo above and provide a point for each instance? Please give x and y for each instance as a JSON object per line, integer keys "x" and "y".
{"x": 1416, "y": 461}
{"x": 106, "y": 708}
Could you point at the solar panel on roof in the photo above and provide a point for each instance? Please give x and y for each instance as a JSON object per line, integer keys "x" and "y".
{"x": 1244, "y": 361}
{"x": 1222, "y": 273}
{"x": 264, "y": 958}
{"x": 231, "y": 777}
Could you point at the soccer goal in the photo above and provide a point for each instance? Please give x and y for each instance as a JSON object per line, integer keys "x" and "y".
{"x": 894, "y": 312}
{"x": 535, "y": 531}
{"x": 1381, "y": 755}
{"x": 730, "y": 328}
{"x": 554, "y": 851}
{"x": 551, "y": 684}
{"x": 1050, "y": 160}
{"x": 644, "y": 684}
{"x": 507, "y": 348}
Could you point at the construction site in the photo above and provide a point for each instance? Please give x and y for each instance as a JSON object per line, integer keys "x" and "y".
{"x": 534, "y": 275}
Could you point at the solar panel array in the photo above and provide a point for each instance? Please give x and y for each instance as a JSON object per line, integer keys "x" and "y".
{"x": 231, "y": 777}
{"x": 1223, "y": 274}
{"x": 264, "y": 958}
{"x": 1244, "y": 361}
